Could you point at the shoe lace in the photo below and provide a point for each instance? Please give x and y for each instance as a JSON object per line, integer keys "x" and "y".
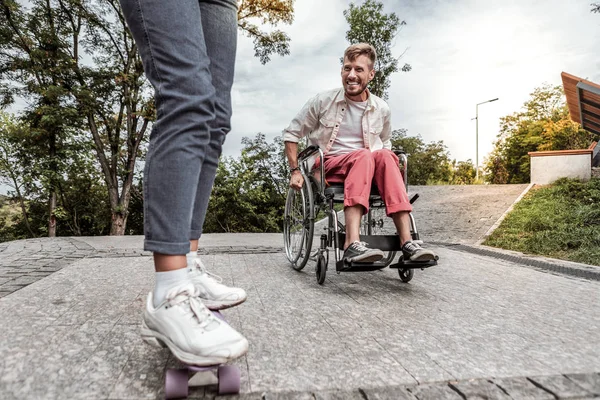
{"x": 186, "y": 296}
{"x": 202, "y": 268}
{"x": 411, "y": 246}
{"x": 360, "y": 246}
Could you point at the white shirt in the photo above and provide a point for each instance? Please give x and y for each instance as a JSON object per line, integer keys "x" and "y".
{"x": 350, "y": 136}
{"x": 321, "y": 117}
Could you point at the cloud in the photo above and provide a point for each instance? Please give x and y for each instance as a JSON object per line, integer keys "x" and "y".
{"x": 462, "y": 52}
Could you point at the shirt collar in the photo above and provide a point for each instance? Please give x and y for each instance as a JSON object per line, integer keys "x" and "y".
{"x": 370, "y": 100}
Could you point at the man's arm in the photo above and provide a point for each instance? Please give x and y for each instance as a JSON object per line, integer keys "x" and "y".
{"x": 291, "y": 152}
{"x": 302, "y": 124}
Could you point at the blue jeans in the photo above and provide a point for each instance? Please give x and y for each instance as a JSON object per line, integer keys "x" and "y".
{"x": 188, "y": 51}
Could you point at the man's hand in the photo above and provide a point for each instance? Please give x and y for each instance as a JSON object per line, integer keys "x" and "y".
{"x": 296, "y": 180}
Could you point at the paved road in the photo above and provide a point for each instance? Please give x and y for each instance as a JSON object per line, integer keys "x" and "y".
{"x": 471, "y": 324}
{"x": 473, "y": 327}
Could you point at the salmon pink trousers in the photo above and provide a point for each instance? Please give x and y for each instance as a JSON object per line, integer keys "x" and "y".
{"x": 357, "y": 171}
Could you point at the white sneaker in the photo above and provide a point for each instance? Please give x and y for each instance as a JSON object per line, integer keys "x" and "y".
{"x": 192, "y": 333}
{"x": 214, "y": 294}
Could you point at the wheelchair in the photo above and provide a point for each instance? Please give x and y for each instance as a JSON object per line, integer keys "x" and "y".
{"x": 316, "y": 197}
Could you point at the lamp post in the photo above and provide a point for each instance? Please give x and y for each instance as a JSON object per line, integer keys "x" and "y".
{"x": 477, "y": 136}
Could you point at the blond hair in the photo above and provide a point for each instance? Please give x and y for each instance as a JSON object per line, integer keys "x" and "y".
{"x": 360, "y": 49}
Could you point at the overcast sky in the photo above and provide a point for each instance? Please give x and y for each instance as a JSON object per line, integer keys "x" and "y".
{"x": 462, "y": 52}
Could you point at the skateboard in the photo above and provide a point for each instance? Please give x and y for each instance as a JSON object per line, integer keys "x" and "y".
{"x": 227, "y": 378}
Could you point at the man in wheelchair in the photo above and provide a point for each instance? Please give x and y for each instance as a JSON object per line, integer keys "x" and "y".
{"x": 352, "y": 128}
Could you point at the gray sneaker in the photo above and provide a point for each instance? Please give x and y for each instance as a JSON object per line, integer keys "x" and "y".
{"x": 413, "y": 252}
{"x": 359, "y": 252}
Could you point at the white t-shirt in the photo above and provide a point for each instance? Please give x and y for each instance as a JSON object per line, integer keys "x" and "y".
{"x": 350, "y": 135}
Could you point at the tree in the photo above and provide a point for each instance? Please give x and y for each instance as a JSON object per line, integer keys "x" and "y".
{"x": 81, "y": 203}
{"x": 41, "y": 51}
{"x": 11, "y": 171}
{"x": 543, "y": 124}
{"x": 463, "y": 173}
{"x": 266, "y": 12}
{"x": 595, "y": 7}
{"x": 368, "y": 23}
{"x": 255, "y": 183}
{"x": 427, "y": 163}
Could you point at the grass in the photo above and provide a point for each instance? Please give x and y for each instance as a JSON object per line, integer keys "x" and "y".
{"x": 561, "y": 220}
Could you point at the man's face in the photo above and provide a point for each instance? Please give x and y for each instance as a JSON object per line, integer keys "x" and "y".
{"x": 356, "y": 75}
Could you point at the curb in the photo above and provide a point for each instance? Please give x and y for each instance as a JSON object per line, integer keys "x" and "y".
{"x": 563, "y": 267}
{"x": 503, "y": 216}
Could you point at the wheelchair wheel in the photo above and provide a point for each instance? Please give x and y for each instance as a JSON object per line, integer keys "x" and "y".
{"x": 373, "y": 224}
{"x": 321, "y": 269}
{"x": 406, "y": 275}
{"x": 298, "y": 226}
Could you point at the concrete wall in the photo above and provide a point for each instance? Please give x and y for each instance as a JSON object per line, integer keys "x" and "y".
{"x": 595, "y": 154}
{"x": 546, "y": 167}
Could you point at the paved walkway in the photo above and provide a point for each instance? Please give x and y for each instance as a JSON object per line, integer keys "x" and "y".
{"x": 473, "y": 327}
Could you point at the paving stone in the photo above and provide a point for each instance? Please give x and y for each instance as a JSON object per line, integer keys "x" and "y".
{"x": 339, "y": 395}
{"x": 561, "y": 386}
{"x": 521, "y": 388}
{"x": 278, "y": 396}
{"x": 389, "y": 393}
{"x": 590, "y": 382}
{"x": 25, "y": 280}
{"x": 434, "y": 392}
{"x": 480, "y": 389}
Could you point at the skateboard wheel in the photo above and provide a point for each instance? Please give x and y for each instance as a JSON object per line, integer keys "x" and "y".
{"x": 229, "y": 379}
{"x": 176, "y": 384}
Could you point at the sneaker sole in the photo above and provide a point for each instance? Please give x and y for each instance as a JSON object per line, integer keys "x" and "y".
{"x": 425, "y": 257}
{"x": 157, "y": 339}
{"x": 368, "y": 258}
{"x": 217, "y": 305}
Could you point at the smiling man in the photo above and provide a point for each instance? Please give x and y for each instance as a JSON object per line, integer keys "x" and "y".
{"x": 352, "y": 127}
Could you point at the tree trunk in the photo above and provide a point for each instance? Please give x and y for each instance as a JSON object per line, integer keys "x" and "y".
{"x": 52, "y": 219}
{"x": 118, "y": 223}
{"x": 52, "y": 202}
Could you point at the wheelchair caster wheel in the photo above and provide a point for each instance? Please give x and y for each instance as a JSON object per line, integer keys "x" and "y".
{"x": 321, "y": 269}
{"x": 406, "y": 274}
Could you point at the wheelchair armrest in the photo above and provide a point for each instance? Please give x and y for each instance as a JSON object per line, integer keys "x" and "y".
{"x": 307, "y": 152}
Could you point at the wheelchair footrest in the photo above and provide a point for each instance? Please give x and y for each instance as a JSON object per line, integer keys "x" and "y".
{"x": 407, "y": 264}
{"x": 349, "y": 266}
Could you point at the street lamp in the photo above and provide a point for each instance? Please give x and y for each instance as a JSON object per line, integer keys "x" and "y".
{"x": 477, "y": 136}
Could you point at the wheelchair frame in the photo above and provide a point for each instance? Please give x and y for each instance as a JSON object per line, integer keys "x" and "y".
{"x": 314, "y": 197}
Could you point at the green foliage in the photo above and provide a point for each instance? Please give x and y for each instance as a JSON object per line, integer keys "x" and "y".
{"x": 369, "y": 24}
{"x": 543, "y": 124}
{"x": 106, "y": 106}
{"x": 427, "y": 163}
{"x": 266, "y": 12}
{"x": 561, "y": 220}
{"x": 463, "y": 173}
{"x": 81, "y": 207}
{"x": 254, "y": 186}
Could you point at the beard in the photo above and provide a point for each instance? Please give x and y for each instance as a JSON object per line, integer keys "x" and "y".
{"x": 355, "y": 90}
